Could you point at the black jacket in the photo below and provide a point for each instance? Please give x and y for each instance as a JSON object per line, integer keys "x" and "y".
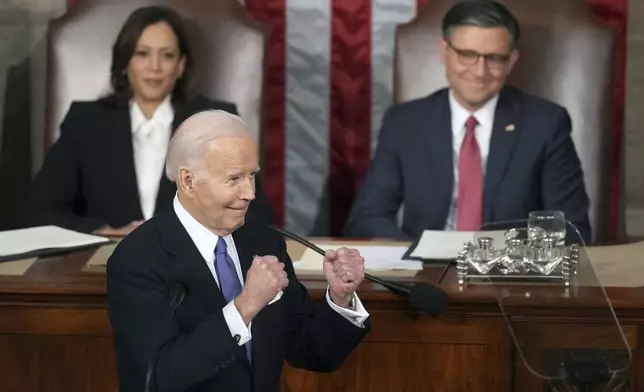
{"x": 197, "y": 352}
{"x": 88, "y": 179}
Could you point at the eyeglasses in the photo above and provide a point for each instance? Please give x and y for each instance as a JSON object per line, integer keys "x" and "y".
{"x": 470, "y": 57}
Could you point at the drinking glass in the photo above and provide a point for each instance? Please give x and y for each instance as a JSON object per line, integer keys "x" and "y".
{"x": 547, "y": 223}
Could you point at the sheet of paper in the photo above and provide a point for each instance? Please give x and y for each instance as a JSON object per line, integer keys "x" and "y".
{"x": 618, "y": 265}
{"x": 17, "y": 267}
{"x": 445, "y": 245}
{"x": 377, "y": 258}
{"x": 99, "y": 258}
{"x": 15, "y": 242}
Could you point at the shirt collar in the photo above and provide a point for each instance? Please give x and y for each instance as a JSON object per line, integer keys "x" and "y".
{"x": 484, "y": 116}
{"x": 204, "y": 239}
{"x": 162, "y": 116}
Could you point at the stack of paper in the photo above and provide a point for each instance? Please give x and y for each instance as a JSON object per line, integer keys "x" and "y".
{"x": 22, "y": 243}
{"x": 377, "y": 258}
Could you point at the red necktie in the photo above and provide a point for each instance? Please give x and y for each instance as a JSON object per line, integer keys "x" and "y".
{"x": 470, "y": 181}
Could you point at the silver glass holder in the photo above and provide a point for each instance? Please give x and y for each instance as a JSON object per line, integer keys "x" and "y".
{"x": 541, "y": 259}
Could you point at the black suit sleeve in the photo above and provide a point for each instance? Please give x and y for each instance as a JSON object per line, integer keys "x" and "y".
{"x": 55, "y": 192}
{"x": 563, "y": 179}
{"x": 374, "y": 212}
{"x": 138, "y": 294}
{"x": 321, "y": 337}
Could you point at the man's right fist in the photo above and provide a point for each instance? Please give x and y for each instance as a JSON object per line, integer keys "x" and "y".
{"x": 265, "y": 278}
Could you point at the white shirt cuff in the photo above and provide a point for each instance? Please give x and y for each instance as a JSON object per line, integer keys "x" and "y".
{"x": 357, "y": 316}
{"x": 238, "y": 329}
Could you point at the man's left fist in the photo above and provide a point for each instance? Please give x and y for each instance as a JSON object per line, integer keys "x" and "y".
{"x": 344, "y": 271}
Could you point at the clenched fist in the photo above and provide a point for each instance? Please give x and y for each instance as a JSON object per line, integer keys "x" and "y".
{"x": 344, "y": 271}
{"x": 265, "y": 278}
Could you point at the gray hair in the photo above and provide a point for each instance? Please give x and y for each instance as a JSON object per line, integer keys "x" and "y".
{"x": 194, "y": 136}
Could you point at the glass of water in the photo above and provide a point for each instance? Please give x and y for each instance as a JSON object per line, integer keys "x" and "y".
{"x": 547, "y": 223}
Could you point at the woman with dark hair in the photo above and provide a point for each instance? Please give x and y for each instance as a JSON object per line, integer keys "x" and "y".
{"x": 105, "y": 173}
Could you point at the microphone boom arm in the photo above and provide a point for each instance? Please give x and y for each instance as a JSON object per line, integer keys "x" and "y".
{"x": 393, "y": 286}
{"x": 421, "y": 296}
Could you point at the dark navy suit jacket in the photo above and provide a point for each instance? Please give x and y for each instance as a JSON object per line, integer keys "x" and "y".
{"x": 196, "y": 352}
{"x": 533, "y": 167}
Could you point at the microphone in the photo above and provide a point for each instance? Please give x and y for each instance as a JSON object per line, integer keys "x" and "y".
{"x": 176, "y": 297}
{"x": 421, "y": 296}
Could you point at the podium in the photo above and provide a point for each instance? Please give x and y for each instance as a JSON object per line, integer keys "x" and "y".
{"x": 543, "y": 263}
{"x": 55, "y": 336}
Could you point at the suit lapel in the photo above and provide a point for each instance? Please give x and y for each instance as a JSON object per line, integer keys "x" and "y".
{"x": 245, "y": 249}
{"x": 505, "y": 134}
{"x": 123, "y": 162}
{"x": 189, "y": 267}
{"x": 246, "y": 246}
{"x": 188, "y": 264}
{"x": 440, "y": 155}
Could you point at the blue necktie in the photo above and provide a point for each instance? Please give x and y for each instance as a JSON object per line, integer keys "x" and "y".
{"x": 227, "y": 274}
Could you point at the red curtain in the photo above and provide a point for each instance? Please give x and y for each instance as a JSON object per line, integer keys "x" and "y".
{"x": 615, "y": 14}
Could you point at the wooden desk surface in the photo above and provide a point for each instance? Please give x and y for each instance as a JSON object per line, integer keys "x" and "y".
{"x": 64, "y": 275}
{"x": 54, "y": 334}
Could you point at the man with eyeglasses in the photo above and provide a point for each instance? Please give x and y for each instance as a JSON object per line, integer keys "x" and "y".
{"x": 476, "y": 152}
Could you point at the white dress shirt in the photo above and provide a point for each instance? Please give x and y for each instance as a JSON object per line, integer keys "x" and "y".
{"x": 150, "y": 138}
{"x": 483, "y": 134}
{"x": 206, "y": 241}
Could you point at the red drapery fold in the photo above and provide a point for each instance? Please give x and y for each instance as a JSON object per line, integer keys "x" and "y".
{"x": 350, "y": 133}
{"x": 273, "y": 14}
{"x": 615, "y": 14}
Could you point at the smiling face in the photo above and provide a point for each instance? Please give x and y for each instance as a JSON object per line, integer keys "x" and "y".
{"x": 219, "y": 192}
{"x": 155, "y": 65}
{"x": 477, "y": 62}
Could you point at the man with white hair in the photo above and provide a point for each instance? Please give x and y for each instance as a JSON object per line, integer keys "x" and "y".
{"x": 240, "y": 308}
